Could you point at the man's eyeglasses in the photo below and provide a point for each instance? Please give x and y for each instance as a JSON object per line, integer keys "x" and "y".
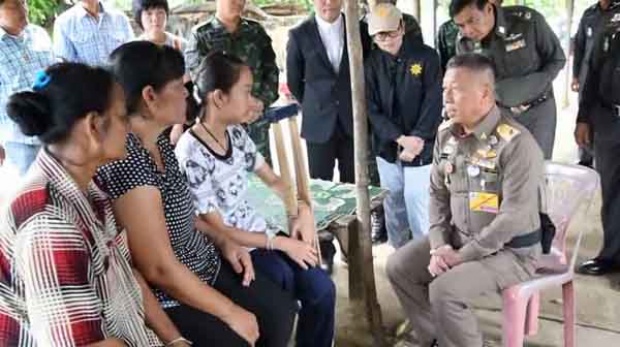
{"x": 385, "y": 35}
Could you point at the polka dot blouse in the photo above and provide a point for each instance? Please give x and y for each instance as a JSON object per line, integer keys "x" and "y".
{"x": 138, "y": 169}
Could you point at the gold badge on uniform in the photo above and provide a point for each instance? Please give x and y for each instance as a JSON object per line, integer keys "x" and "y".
{"x": 487, "y": 153}
{"x": 507, "y": 132}
{"x": 483, "y": 202}
{"x": 415, "y": 69}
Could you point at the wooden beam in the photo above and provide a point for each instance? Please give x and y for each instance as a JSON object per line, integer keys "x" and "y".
{"x": 360, "y": 125}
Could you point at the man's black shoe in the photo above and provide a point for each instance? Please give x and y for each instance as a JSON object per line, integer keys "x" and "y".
{"x": 597, "y": 267}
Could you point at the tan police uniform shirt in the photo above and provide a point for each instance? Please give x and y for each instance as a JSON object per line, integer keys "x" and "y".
{"x": 485, "y": 187}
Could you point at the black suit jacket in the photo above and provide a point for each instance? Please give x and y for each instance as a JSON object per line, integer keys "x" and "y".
{"x": 325, "y": 95}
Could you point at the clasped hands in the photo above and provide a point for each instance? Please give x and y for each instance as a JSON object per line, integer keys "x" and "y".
{"x": 443, "y": 259}
{"x": 412, "y": 147}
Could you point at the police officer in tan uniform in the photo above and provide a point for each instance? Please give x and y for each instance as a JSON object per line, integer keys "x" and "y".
{"x": 484, "y": 211}
{"x": 527, "y": 56}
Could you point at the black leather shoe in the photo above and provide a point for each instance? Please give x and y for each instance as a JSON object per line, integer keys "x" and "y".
{"x": 598, "y": 267}
{"x": 378, "y": 230}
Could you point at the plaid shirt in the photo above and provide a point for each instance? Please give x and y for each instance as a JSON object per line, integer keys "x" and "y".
{"x": 79, "y": 37}
{"x": 21, "y": 57}
{"x": 65, "y": 272}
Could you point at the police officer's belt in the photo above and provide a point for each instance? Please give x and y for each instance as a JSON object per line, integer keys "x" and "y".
{"x": 544, "y": 97}
{"x": 525, "y": 240}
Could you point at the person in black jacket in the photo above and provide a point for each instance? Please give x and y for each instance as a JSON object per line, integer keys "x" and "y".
{"x": 317, "y": 70}
{"x": 403, "y": 83}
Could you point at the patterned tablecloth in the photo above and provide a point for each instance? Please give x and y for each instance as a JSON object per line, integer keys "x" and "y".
{"x": 330, "y": 200}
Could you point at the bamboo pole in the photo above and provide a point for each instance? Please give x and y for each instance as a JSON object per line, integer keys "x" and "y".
{"x": 360, "y": 125}
{"x": 417, "y": 10}
{"x": 570, "y": 7}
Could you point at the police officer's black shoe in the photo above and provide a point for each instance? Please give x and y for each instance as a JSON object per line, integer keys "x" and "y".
{"x": 378, "y": 230}
{"x": 597, "y": 267}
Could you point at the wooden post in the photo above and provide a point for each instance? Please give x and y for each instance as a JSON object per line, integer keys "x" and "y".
{"x": 417, "y": 10}
{"x": 570, "y": 4}
{"x": 360, "y": 125}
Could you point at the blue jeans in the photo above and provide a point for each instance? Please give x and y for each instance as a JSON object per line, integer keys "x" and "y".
{"x": 20, "y": 155}
{"x": 312, "y": 287}
{"x": 406, "y": 205}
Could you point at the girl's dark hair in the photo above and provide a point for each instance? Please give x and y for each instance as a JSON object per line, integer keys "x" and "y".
{"x": 139, "y": 64}
{"x": 67, "y": 93}
{"x": 217, "y": 70}
{"x": 140, "y": 6}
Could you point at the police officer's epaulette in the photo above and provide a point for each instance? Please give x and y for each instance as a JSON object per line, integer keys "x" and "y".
{"x": 446, "y": 124}
{"x": 506, "y": 131}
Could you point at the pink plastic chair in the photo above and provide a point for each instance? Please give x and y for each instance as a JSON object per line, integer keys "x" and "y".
{"x": 568, "y": 187}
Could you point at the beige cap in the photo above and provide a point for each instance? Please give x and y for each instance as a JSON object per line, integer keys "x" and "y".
{"x": 384, "y": 17}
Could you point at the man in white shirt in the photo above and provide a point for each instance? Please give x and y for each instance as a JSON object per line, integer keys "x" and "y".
{"x": 317, "y": 69}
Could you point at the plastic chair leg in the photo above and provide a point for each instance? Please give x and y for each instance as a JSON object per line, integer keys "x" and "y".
{"x": 570, "y": 314}
{"x": 513, "y": 324}
{"x": 531, "y": 322}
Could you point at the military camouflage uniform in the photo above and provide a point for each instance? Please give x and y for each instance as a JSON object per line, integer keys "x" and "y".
{"x": 250, "y": 43}
{"x": 446, "y": 42}
{"x": 528, "y": 57}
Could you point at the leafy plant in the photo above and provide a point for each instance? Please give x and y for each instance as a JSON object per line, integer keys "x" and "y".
{"x": 42, "y": 12}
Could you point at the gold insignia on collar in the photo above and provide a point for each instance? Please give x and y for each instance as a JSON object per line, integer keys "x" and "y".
{"x": 416, "y": 69}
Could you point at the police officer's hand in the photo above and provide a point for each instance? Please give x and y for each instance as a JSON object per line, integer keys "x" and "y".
{"x": 449, "y": 255}
{"x": 582, "y": 134}
{"x": 437, "y": 266}
{"x": 574, "y": 86}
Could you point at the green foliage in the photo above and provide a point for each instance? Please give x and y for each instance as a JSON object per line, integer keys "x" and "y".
{"x": 42, "y": 12}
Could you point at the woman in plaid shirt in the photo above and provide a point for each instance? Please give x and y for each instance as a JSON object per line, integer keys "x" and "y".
{"x": 65, "y": 273}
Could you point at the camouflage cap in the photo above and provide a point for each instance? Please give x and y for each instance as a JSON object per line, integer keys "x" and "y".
{"x": 384, "y": 17}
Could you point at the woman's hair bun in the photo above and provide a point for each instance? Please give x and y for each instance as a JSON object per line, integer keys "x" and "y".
{"x": 31, "y": 111}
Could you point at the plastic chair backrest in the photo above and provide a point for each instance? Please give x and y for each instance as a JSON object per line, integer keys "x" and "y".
{"x": 567, "y": 188}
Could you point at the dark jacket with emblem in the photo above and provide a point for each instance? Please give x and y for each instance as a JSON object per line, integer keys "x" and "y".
{"x": 485, "y": 188}
{"x": 404, "y": 96}
{"x": 527, "y": 55}
{"x": 324, "y": 94}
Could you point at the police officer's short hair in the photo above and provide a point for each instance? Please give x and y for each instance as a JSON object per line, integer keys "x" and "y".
{"x": 140, "y": 6}
{"x": 456, "y": 6}
{"x": 475, "y": 62}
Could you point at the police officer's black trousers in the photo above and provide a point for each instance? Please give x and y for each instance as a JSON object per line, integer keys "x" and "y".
{"x": 607, "y": 158}
{"x": 541, "y": 121}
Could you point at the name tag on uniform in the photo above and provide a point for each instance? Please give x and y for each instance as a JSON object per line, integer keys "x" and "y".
{"x": 515, "y": 45}
{"x": 483, "y": 202}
